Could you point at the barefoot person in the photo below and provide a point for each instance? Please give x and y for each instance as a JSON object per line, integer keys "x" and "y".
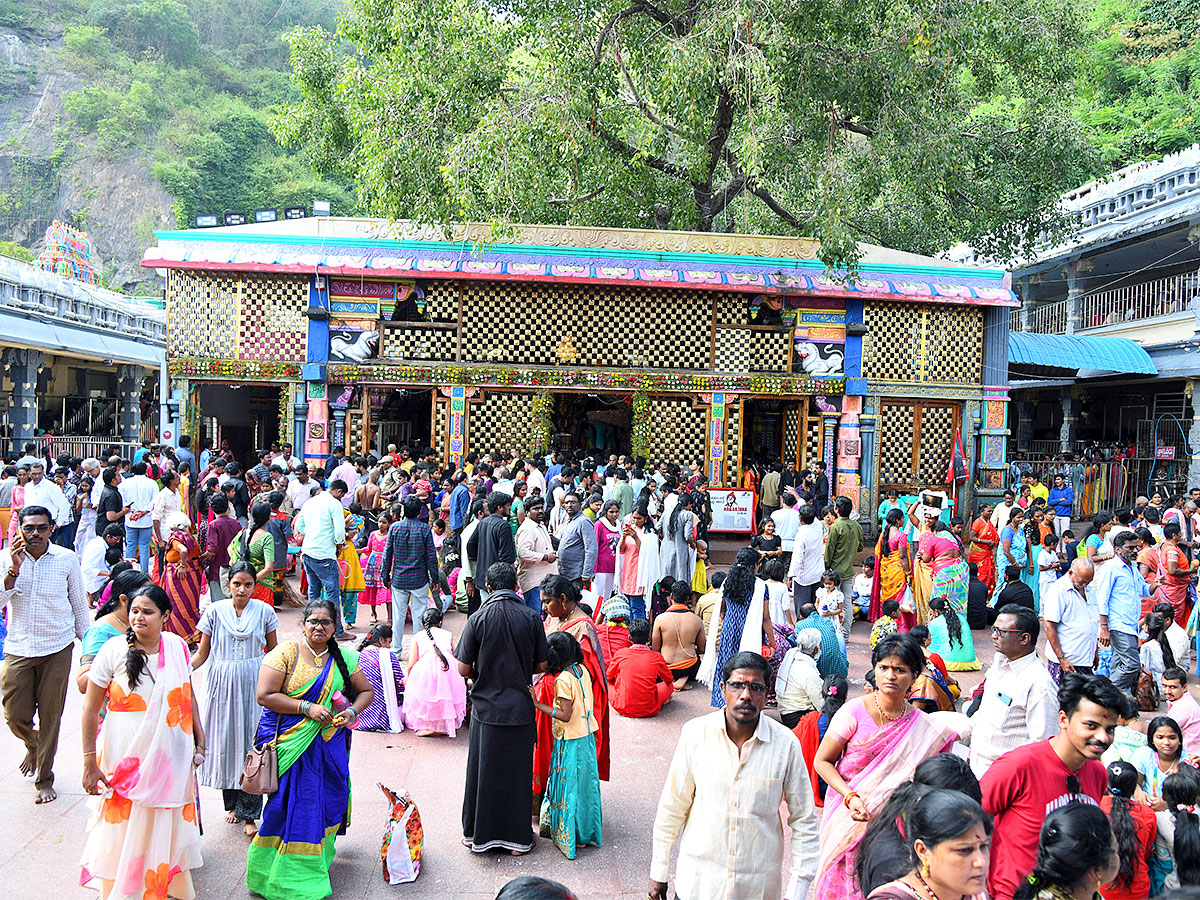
{"x": 679, "y": 636}
{"x": 47, "y": 609}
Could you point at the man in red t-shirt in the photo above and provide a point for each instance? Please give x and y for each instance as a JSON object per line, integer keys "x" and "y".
{"x": 642, "y": 682}
{"x": 1024, "y": 785}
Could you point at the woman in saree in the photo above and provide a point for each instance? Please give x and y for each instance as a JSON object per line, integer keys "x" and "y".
{"x": 872, "y": 746}
{"x": 18, "y": 501}
{"x": 112, "y": 617}
{"x": 1176, "y": 572}
{"x": 893, "y": 569}
{"x": 934, "y": 690}
{"x": 1033, "y": 540}
{"x": 143, "y": 841}
{"x": 183, "y": 577}
{"x": 742, "y": 622}
{"x": 678, "y": 536}
{"x": 383, "y": 669}
{"x": 942, "y": 552}
{"x": 982, "y": 551}
{"x": 561, "y": 599}
{"x": 256, "y": 545}
{"x": 302, "y": 686}
{"x": 1013, "y": 549}
{"x": 922, "y": 577}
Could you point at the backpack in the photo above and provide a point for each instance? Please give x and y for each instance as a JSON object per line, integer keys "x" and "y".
{"x": 1147, "y": 692}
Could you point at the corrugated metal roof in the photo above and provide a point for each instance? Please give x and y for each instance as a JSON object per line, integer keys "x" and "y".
{"x": 1067, "y": 351}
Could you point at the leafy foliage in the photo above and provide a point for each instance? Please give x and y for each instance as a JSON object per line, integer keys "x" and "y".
{"x": 912, "y": 124}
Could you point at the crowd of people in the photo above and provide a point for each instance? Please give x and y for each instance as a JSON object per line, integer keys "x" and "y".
{"x": 588, "y": 593}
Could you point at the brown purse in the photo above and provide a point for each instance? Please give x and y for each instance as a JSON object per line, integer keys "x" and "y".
{"x": 260, "y": 771}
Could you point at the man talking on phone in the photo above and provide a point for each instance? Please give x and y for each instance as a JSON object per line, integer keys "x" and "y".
{"x": 47, "y": 609}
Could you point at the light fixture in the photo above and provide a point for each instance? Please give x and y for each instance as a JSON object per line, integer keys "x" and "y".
{"x": 295, "y": 212}
{"x": 265, "y": 215}
{"x": 317, "y": 313}
{"x": 321, "y": 208}
{"x": 207, "y": 221}
{"x": 856, "y": 329}
{"x": 235, "y": 219}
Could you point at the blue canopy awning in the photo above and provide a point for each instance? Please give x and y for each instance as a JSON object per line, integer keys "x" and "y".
{"x": 1068, "y": 351}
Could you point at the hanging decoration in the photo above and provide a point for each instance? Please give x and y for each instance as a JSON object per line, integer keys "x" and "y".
{"x": 539, "y": 434}
{"x": 640, "y": 438}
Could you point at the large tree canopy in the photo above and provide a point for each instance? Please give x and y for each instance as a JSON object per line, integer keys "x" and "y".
{"x": 909, "y": 123}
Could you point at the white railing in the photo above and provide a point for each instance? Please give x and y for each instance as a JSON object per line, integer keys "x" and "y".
{"x": 1049, "y": 318}
{"x": 1148, "y": 300}
{"x": 1016, "y": 320}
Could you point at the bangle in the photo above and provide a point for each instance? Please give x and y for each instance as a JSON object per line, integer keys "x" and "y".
{"x": 201, "y": 747}
{"x": 89, "y": 752}
{"x": 12, "y": 574}
{"x": 352, "y": 711}
{"x": 304, "y": 706}
{"x": 850, "y": 796}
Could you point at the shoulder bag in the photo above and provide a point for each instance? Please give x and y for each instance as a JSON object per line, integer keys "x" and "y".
{"x": 260, "y": 771}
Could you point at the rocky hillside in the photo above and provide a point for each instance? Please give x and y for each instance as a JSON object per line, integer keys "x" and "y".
{"x": 123, "y": 116}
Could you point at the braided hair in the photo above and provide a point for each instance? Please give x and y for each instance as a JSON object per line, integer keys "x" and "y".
{"x": 334, "y": 650}
{"x": 379, "y": 633}
{"x": 953, "y": 623}
{"x": 1181, "y": 792}
{"x": 135, "y": 658}
{"x": 430, "y": 619}
{"x": 1122, "y": 782}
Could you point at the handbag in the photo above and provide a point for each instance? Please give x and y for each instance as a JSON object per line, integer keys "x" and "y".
{"x": 260, "y": 771}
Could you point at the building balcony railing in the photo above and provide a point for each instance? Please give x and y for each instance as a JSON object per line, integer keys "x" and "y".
{"x": 1115, "y": 306}
{"x": 1148, "y": 300}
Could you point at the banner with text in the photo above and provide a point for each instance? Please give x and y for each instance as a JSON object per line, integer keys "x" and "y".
{"x": 732, "y": 511}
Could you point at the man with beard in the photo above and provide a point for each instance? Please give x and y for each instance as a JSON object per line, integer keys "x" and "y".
{"x": 731, "y": 770}
{"x": 1024, "y": 785}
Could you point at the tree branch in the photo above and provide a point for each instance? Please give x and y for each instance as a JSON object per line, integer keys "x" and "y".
{"x": 612, "y": 23}
{"x": 645, "y": 107}
{"x": 654, "y": 162}
{"x": 775, "y": 206}
{"x": 848, "y": 124}
{"x": 567, "y": 201}
{"x": 719, "y": 133}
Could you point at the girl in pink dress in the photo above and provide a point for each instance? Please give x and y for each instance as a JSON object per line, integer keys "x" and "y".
{"x": 375, "y": 593}
{"x": 435, "y": 695}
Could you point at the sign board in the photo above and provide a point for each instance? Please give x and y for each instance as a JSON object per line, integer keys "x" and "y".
{"x": 1164, "y": 452}
{"x": 732, "y": 510}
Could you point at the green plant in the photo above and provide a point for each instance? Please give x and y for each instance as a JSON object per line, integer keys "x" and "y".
{"x": 13, "y": 250}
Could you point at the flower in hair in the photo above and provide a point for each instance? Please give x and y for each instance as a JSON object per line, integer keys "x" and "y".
{"x": 833, "y": 690}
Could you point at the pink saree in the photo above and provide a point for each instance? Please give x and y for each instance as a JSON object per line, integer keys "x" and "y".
{"x": 874, "y": 767}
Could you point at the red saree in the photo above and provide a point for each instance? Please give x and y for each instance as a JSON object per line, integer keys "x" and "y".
{"x": 984, "y": 557}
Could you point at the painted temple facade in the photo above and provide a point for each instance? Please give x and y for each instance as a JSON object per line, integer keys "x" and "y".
{"x": 721, "y": 349}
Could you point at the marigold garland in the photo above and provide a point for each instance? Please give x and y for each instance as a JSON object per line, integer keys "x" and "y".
{"x": 539, "y": 433}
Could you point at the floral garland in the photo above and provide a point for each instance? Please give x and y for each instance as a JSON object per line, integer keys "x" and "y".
{"x": 640, "y": 439}
{"x": 285, "y": 414}
{"x": 665, "y": 382}
{"x": 232, "y": 368}
{"x": 539, "y": 433}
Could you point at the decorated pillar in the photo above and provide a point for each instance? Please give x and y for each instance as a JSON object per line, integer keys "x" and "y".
{"x": 339, "y": 425}
{"x": 716, "y": 464}
{"x": 23, "y": 367}
{"x": 456, "y": 425}
{"x": 316, "y": 431}
{"x": 849, "y": 452}
{"x": 829, "y": 421}
{"x": 867, "y": 495}
{"x": 299, "y": 412}
{"x": 129, "y": 401}
{"x": 993, "y": 441}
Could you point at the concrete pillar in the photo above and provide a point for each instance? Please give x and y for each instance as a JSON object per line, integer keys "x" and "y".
{"x": 23, "y": 367}
{"x": 1194, "y": 434}
{"x": 1028, "y": 412}
{"x": 129, "y": 401}
{"x": 1074, "y": 272}
{"x": 1070, "y": 422}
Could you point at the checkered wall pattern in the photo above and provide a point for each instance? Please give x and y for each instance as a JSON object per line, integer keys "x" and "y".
{"x": 743, "y": 350}
{"x": 417, "y": 342}
{"x": 791, "y": 434}
{"x": 923, "y": 342}
{"x": 202, "y": 314}
{"x": 733, "y": 308}
{"x": 899, "y": 425}
{"x": 677, "y": 430}
{"x": 272, "y": 325}
{"x": 552, "y": 324}
{"x": 500, "y": 421}
{"x": 814, "y": 439}
{"x": 442, "y": 300}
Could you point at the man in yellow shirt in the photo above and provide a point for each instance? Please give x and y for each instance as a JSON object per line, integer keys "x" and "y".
{"x": 1037, "y": 489}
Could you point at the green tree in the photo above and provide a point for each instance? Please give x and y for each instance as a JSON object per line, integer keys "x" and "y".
{"x": 913, "y": 124}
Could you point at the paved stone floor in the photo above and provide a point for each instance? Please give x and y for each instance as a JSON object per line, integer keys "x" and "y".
{"x": 40, "y": 848}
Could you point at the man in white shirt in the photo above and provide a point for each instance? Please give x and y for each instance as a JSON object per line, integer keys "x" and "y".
{"x": 42, "y": 590}
{"x": 299, "y": 489}
{"x": 731, "y": 770}
{"x": 93, "y": 565}
{"x": 30, "y": 456}
{"x": 787, "y": 523}
{"x": 1071, "y": 629}
{"x": 1003, "y": 510}
{"x": 42, "y": 491}
{"x": 322, "y": 525}
{"x": 166, "y": 501}
{"x": 139, "y": 493}
{"x": 535, "y": 554}
{"x": 808, "y": 558}
{"x": 1020, "y": 699}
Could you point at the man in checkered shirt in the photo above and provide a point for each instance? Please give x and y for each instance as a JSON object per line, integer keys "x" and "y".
{"x": 47, "y": 610}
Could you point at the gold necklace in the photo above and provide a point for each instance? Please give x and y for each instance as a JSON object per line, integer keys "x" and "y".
{"x": 929, "y": 892}
{"x": 316, "y": 656}
{"x": 884, "y": 715}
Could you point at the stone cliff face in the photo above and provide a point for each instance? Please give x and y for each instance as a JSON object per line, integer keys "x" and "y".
{"x": 45, "y": 174}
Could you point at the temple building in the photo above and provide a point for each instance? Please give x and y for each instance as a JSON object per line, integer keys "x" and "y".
{"x": 721, "y": 349}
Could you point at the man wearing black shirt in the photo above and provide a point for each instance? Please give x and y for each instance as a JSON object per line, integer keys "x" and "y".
{"x": 241, "y": 494}
{"x": 492, "y": 540}
{"x": 111, "y": 507}
{"x": 1014, "y": 590}
{"x": 977, "y": 597}
{"x": 501, "y": 648}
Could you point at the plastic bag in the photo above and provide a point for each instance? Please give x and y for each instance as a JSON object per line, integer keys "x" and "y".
{"x": 403, "y": 839}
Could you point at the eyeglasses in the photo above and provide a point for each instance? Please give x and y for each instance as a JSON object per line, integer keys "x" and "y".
{"x": 40, "y": 529}
{"x": 996, "y": 632}
{"x": 757, "y": 688}
{"x": 320, "y": 623}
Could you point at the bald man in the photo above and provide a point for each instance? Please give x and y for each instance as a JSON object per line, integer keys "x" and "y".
{"x": 1070, "y": 622}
